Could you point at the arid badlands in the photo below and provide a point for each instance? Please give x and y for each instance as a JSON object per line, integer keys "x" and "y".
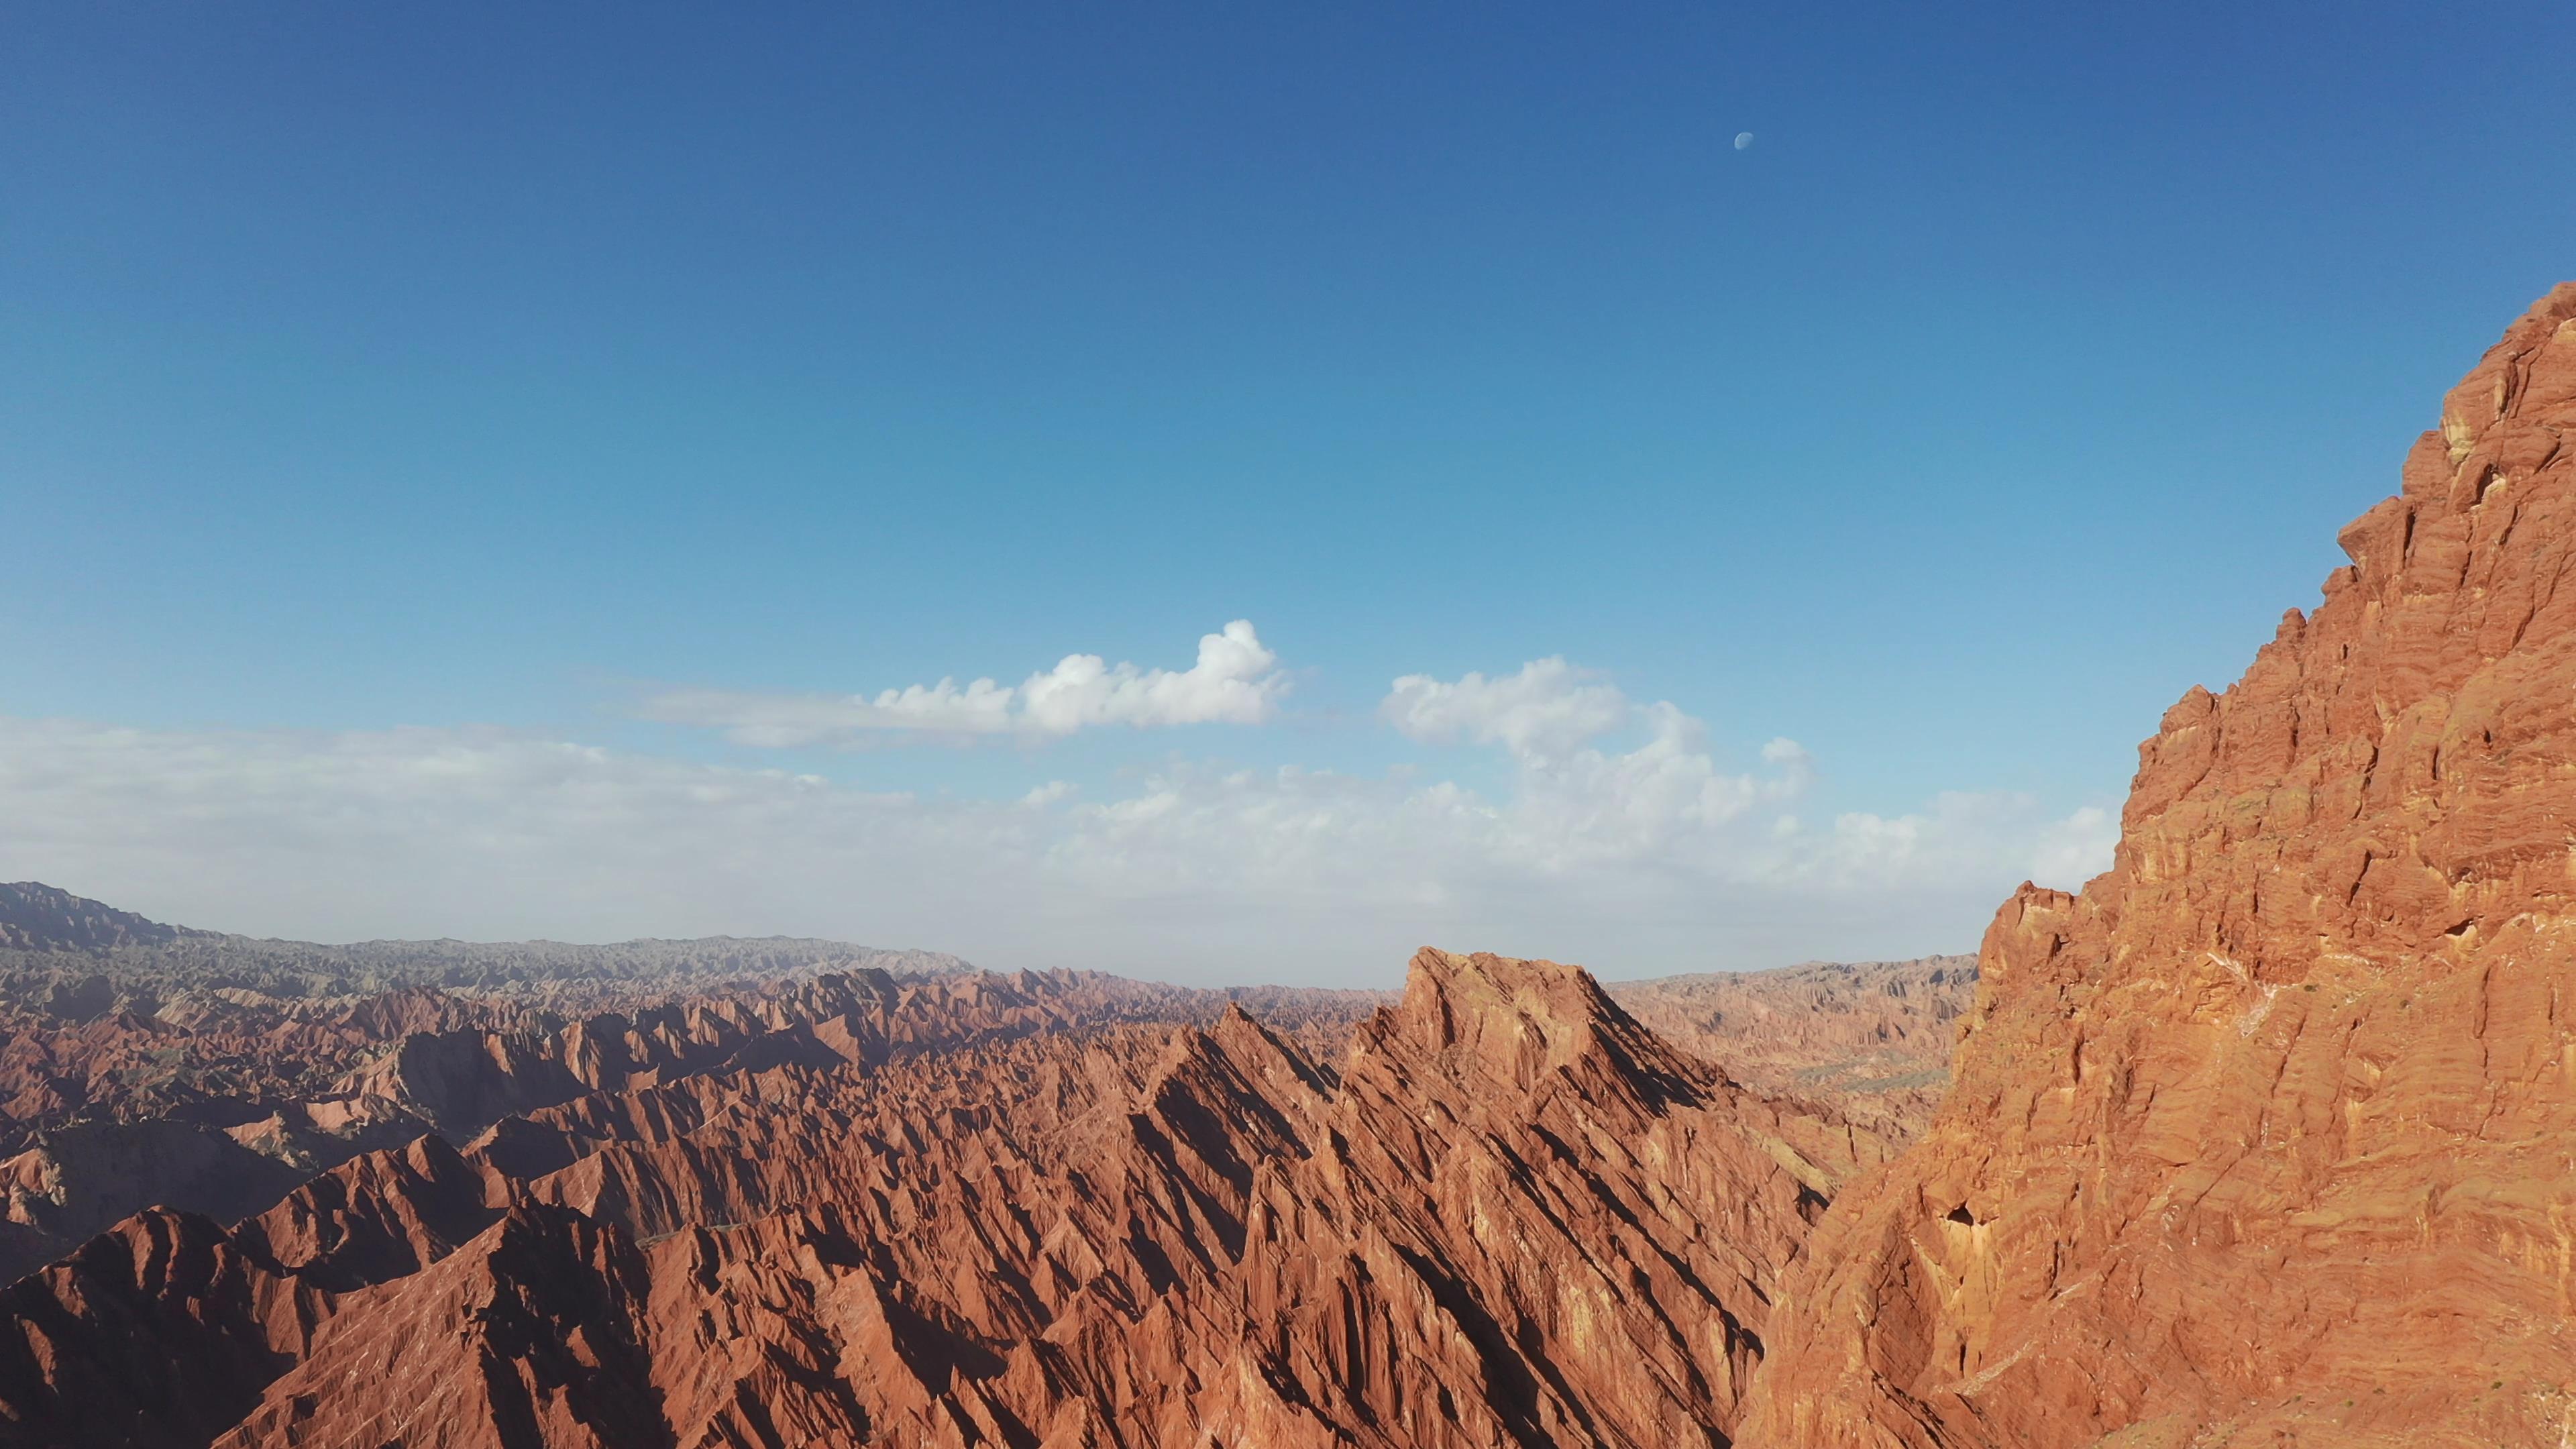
{"x": 2267, "y": 1137}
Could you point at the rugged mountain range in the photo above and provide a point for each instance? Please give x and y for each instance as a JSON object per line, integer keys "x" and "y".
{"x": 39, "y": 919}
{"x": 2267, "y": 1137}
{"x": 222, "y": 1099}
{"x": 156, "y": 1076}
{"x": 147, "y": 1063}
{"x": 946, "y": 1214}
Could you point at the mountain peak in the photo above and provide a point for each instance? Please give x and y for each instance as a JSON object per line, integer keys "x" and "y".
{"x": 1519, "y": 1019}
{"x": 38, "y": 917}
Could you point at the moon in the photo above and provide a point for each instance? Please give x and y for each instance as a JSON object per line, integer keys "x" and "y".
{"x": 1743, "y": 140}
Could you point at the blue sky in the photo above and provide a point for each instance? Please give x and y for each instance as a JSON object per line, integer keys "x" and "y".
{"x": 391, "y": 396}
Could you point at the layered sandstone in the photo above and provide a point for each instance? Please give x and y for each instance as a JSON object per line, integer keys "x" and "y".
{"x": 2269, "y": 1135}
{"x": 1507, "y": 1214}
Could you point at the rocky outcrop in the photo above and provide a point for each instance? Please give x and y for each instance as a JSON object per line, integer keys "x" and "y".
{"x": 157, "y": 1334}
{"x": 81, "y": 1178}
{"x": 2265, "y": 1136}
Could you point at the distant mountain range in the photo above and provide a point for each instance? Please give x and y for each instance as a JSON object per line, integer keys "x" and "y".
{"x": 49, "y": 936}
{"x": 142, "y": 1062}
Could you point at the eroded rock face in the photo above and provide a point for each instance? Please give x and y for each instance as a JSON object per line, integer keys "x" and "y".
{"x": 225, "y": 1101}
{"x": 1530, "y": 1221}
{"x": 2270, "y": 1135}
{"x": 1510, "y": 1215}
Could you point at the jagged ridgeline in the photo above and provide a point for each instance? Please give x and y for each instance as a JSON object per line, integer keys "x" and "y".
{"x": 1502, "y": 1211}
{"x": 221, "y": 1099}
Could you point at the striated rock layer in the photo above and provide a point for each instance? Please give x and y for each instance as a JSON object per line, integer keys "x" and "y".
{"x": 2270, "y": 1135}
{"x": 1508, "y": 1215}
{"x": 220, "y": 1100}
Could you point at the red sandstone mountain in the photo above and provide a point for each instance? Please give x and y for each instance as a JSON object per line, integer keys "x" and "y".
{"x": 217, "y": 1084}
{"x": 1507, "y": 1214}
{"x": 2270, "y": 1135}
{"x": 108, "y": 1018}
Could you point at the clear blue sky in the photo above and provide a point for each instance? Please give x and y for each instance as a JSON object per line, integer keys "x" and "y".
{"x": 485, "y": 372}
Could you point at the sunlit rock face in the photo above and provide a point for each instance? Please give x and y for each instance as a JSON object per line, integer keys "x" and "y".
{"x": 2270, "y": 1134}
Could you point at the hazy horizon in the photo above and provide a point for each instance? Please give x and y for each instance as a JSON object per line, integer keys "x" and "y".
{"x": 1392, "y": 971}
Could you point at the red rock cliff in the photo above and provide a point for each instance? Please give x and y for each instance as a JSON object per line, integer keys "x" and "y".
{"x": 2270, "y": 1135}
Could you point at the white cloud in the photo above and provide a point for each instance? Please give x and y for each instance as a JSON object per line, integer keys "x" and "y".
{"x": 1966, "y": 837}
{"x": 1547, "y": 708}
{"x": 1048, "y": 794}
{"x": 2075, "y": 849}
{"x": 1237, "y": 680}
{"x": 1646, "y": 855}
{"x": 1577, "y": 803}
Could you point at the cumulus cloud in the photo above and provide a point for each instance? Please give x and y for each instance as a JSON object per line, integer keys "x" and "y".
{"x": 2069, "y": 851}
{"x": 1577, "y": 802}
{"x": 1236, "y": 680}
{"x": 1966, "y": 838}
{"x": 1544, "y": 710}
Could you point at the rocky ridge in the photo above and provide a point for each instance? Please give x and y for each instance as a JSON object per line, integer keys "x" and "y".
{"x": 38, "y": 918}
{"x": 148, "y": 1082}
{"x": 76, "y": 959}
